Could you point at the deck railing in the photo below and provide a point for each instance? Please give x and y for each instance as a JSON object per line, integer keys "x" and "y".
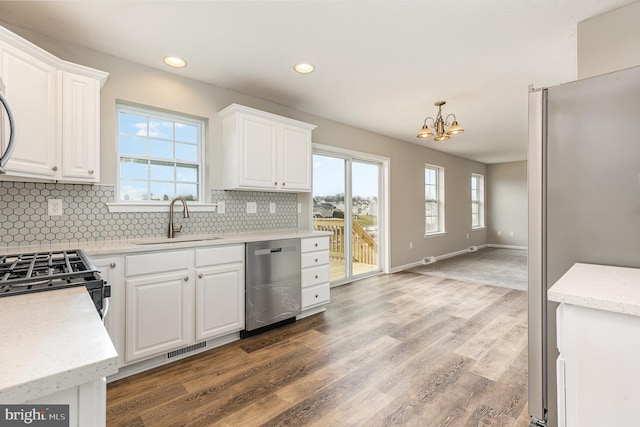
{"x": 364, "y": 247}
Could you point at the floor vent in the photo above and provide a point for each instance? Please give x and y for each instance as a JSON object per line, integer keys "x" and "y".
{"x": 181, "y": 351}
{"x": 473, "y": 248}
{"x": 429, "y": 260}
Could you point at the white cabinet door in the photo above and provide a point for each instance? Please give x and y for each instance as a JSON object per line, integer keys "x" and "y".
{"x": 263, "y": 151}
{"x": 111, "y": 270}
{"x": 295, "y": 158}
{"x": 258, "y": 148}
{"x": 159, "y": 313}
{"x": 30, "y": 89}
{"x": 80, "y": 128}
{"x": 219, "y": 301}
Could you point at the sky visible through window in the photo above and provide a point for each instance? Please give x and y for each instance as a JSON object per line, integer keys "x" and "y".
{"x": 365, "y": 186}
{"x": 158, "y": 157}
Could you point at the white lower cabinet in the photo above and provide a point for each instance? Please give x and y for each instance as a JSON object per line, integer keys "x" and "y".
{"x": 597, "y": 377}
{"x": 176, "y": 298}
{"x": 159, "y": 313}
{"x": 315, "y": 272}
{"x": 219, "y": 291}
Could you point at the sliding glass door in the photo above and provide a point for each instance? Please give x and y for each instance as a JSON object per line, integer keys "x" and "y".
{"x": 346, "y": 202}
{"x": 365, "y": 181}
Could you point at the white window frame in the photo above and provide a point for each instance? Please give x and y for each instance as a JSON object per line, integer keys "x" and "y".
{"x": 477, "y": 199}
{"x": 159, "y": 205}
{"x": 439, "y": 188}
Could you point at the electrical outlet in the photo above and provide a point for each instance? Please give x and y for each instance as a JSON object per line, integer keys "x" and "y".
{"x": 511, "y": 233}
{"x": 54, "y": 207}
{"x": 499, "y": 233}
{"x": 299, "y": 207}
{"x": 467, "y": 236}
{"x": 272, "y": 207}
{"x": 252, "y": 207}
{"x": 221, "y": 207}
{"x": 410, "y": 245}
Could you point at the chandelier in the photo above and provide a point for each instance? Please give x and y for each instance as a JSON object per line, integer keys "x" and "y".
{"x": 438, "y": 126}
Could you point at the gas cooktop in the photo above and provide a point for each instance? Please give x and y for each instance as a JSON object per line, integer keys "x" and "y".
{"x": 50, "y": 270}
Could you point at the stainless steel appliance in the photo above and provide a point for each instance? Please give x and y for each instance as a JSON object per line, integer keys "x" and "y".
{"x": 584, "y": 202}
{"x": 273, "y": 289}
{"x": 51, "y": 270}
{"x": 8, "y": 147}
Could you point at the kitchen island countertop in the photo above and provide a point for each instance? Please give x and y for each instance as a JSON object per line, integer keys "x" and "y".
{"x": 51, "y": 341}
{"x": 603, "y": 287}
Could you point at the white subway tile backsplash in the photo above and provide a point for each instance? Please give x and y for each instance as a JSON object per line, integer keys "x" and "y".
{"x": 24, "y": 220}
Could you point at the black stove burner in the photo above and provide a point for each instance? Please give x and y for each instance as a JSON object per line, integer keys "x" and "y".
{"x": 43, "y": 271}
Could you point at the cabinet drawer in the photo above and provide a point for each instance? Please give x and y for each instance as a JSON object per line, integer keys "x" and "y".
{"x": 315, "y": 275}
{"x": 315, "y": 295}
{"x": 315, "y": 244}
{"x": 313, "y": 259}
{"x": 157, "y": 262}
{"x": 219, "y": 255}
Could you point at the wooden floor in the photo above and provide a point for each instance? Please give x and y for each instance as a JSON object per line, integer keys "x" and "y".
{"x": 402, "y": 349}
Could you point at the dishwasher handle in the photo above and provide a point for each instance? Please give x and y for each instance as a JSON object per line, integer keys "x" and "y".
{"x": 269, "y": 251}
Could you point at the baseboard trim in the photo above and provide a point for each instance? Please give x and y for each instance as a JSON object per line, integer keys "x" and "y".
{"x": 439, "y": 257}
{"x": 406, "y": 266}
{"x": 493, "y": 245}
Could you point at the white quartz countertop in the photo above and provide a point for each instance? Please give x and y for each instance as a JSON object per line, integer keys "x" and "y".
{"x": 123, "y": 246}
{"x": 51, "y": 341}
{"x": 615, "y": 289}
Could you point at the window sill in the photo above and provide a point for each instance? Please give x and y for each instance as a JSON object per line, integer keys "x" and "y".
{"x": 438, "y": 234}
{"x": 479, "y": 228}
{"x": 156, "y": 207}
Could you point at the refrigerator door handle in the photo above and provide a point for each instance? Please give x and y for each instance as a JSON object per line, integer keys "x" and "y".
{"x": 536, "y": 257}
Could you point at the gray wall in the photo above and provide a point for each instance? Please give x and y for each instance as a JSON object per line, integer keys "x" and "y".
{"x": 507, "y": 203}
{"x": 142, "y": 85}
{"x": 609, "y": 42}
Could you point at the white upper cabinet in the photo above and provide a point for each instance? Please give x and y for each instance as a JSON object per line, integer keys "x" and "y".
{"x": 56, "y": 108}
{"x": 30, "y": 89}
{"x": 263, "y": 151}
{"x": 80, "y": 128}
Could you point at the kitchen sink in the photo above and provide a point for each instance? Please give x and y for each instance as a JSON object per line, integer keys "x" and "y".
{"x": 174, "y": 240}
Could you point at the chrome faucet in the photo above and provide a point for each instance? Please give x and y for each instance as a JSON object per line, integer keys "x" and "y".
{"x": 171, "y": 233}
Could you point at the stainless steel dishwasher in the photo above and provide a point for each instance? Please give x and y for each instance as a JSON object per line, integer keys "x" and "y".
{"x": 273, "y": 290}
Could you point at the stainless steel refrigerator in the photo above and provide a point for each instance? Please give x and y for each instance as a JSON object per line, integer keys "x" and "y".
{"x": 584, "y": 202}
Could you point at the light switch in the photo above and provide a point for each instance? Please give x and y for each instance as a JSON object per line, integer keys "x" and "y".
{"x": 252, "y": 207}
{"x": 221, "y": 207}
{"x": 272, "y": 207}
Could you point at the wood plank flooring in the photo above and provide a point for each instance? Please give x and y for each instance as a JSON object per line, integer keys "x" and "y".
{"x": 402, "y": 349}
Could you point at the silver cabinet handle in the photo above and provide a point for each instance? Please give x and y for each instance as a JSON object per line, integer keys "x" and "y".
{"x": 90, "y": 171}
{"x": 112, "y": 265}
{"x": 316, "y": 259}
{"x": 55, "y": 168}
{"x": 200, "y": 276}
{"x": 275, "y": 183}
{"x": 284, "y": 183}
{"x": 316, "y": 276}
{"x": 316, "y": 245}
{"x": 316, "y": 295}
{"x": 186, "y": 278}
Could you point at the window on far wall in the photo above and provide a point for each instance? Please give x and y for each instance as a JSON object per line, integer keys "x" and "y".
{"x": 434, "y": 199}
{"x": 159, "y": 156}
{"x": 477, "y": 201}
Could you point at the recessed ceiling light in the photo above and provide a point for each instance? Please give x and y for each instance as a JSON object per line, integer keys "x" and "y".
{"x": 174, "y": 61}
{"x": 304, "y": 68}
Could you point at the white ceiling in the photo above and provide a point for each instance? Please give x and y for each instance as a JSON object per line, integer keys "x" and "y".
{"x": 380, "y": 65}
